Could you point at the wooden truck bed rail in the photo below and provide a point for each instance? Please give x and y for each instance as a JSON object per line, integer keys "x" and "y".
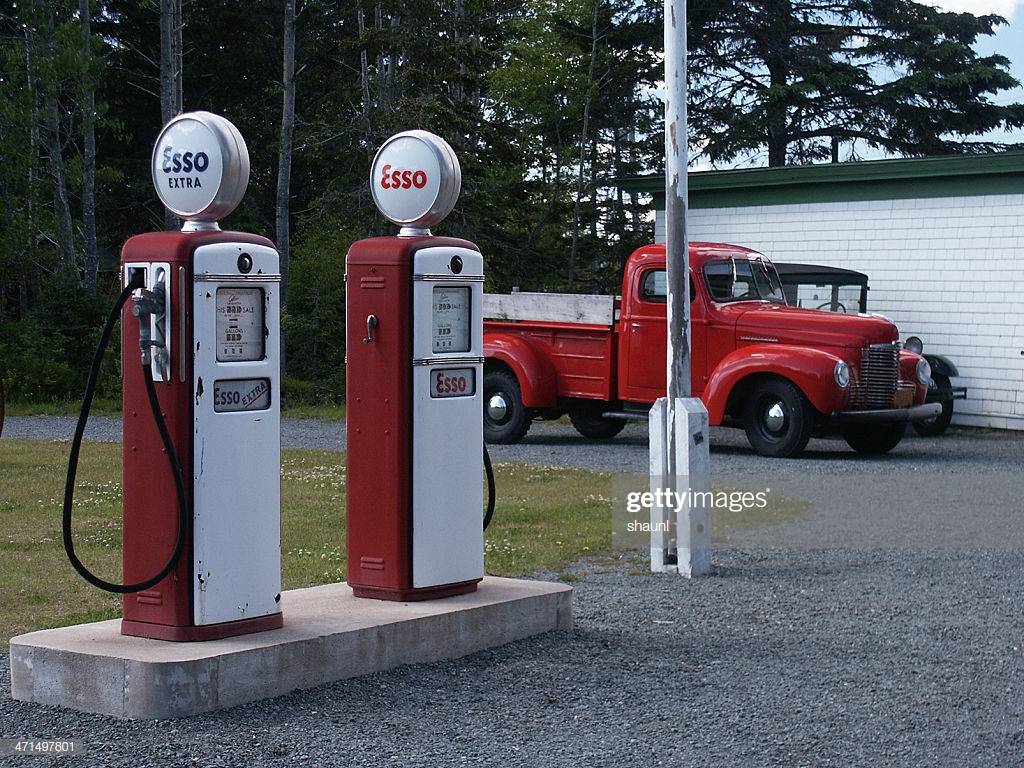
{"x": 551, "y": 307}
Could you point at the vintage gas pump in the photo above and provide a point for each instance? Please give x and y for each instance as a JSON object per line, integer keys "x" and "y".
{"x": 414, "y": 374}
{"x": 201, "y": 404}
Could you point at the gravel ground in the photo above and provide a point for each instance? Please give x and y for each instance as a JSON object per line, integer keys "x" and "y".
{"x": 816, "y": 657}
{"x": 869, "y": 632}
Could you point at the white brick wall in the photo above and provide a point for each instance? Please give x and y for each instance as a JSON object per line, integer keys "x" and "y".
{"x": 950, "y": 270}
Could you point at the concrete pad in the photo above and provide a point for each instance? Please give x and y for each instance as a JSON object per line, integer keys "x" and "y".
{"x": 328, "y": 635}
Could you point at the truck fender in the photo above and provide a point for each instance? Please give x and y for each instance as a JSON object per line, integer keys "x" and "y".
{"x": 812, "y": 370}
{"x": 538, "y": 381}
{"x": 941, "y": 364}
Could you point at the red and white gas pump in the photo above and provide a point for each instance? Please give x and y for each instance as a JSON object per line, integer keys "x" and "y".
{"x": 414, "y": 386}
{"x": 201, "y": 404}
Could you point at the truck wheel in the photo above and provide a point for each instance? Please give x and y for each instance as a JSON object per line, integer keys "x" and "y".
{"x": 589, "y": 422}
{"x": 778, "y": 418}
{"x": 937, "y": 424}
{"x": 874, "y": 439}
{"x": 506, "y": 419}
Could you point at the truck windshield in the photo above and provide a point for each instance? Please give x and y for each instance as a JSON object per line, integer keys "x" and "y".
{"x": 742, "y": 279}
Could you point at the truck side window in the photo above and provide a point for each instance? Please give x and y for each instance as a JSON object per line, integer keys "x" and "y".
{"x": 654, "y": 287}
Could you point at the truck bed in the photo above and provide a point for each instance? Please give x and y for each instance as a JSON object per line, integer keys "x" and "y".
{"x": 575, "y": 331}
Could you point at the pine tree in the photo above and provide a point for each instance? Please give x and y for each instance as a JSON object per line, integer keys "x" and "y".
{"x": 801, "y": 78}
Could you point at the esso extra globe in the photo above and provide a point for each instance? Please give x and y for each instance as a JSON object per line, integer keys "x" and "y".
{"x": 200, "y": 168}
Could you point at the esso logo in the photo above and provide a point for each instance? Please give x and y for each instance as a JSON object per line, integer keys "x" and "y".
{"x": 454, "y": 382}
{"x": 415, "y": 180}
{"x": 184, "y": 162}
{"x": 396, "y": 178}
{"x": 200, "y": 166}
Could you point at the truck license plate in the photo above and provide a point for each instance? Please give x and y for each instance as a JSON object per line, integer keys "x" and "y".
{"x": 453, "y": 382}
{"x": 904, "y": 398}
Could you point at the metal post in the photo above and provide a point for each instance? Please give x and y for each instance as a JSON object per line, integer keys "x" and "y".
{"x": 678, "y": 423}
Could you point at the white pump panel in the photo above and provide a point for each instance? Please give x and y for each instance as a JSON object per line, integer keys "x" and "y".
{"x": 237, "y": 457}
{"x": 447, "y": 429}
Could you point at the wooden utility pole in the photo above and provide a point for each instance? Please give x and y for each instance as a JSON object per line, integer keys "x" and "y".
{"x": 678, "y": 422}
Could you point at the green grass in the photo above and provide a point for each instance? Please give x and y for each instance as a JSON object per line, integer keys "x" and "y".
{"x": 112, "y": 407}
{"x": 101, "y": 406}
{"x": 546, "y": 518}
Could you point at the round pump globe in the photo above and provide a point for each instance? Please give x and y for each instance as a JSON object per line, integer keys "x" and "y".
{"x": 200, "y": 167}
{"x": 415, "y": 180}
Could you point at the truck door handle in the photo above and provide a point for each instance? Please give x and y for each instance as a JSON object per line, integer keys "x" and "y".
{"x": 371, "y": 326}
{"x": 634, "y": 325}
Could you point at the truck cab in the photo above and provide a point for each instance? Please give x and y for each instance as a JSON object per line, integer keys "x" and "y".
{"x": 780, "y": 372}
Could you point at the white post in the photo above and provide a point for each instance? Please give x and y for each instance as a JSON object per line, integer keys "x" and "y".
{"x": 680, "y": 525}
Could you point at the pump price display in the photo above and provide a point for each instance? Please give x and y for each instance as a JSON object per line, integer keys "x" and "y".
{"x": 451, "y": 319}
{"x": 453, "y": 382}
{"x": 241, "y": 395}
{"x": 239, "y": 324}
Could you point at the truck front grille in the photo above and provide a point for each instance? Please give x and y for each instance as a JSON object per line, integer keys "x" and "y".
{"x": 878, "y": 377}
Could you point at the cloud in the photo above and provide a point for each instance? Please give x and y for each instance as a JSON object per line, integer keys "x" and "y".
{"x": 1005, "y": 8}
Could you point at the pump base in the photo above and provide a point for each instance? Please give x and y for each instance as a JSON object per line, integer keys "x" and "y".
{"x": 204, "y": 632}
{"x": 412, "y": 594}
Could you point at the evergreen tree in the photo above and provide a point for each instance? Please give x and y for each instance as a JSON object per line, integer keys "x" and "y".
{"x": 800, "y": 78}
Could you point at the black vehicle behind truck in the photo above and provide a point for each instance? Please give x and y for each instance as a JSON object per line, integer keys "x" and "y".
{"x": 832, "y": 289}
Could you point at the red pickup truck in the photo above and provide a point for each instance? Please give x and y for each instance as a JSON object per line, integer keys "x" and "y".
{"x": 783, "y": 374}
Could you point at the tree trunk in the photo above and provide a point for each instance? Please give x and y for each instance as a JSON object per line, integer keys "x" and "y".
{"x": 583, "y": 149}
{"x": 284, "y": 165}
{"x": 61, "y": 204}
{"x": 170, "y": 73}
{"x": 88, "y": 151}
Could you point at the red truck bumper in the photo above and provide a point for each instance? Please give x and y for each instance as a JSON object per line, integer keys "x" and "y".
{"x": 889, "y": 415}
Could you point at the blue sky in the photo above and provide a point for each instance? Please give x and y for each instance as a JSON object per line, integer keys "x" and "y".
{"x": 1008, "y": 41}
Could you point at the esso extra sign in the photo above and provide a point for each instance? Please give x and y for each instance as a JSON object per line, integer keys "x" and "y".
{"x": 415, "y": 180}
{"x": 200, "y": 166}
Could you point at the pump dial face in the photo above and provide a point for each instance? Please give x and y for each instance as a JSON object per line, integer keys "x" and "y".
{"x": 451, "y": 319}
{"x": 240, "y": 334}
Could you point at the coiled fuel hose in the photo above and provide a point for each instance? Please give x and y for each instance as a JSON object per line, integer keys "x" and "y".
{"x": 490, "y": 488}
{"x": 134, "y": 283}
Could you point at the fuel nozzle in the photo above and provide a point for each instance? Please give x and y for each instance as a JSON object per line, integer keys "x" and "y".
{"x": 149, "y": 303}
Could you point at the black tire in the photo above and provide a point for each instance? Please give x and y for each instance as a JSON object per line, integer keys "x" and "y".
{"x": 514, "y": 423}
{"x": 874, "y": 439}
{"x": 778, "y": 418}
{"x": 589, "y": 422}
{"x": 936, "y": 425}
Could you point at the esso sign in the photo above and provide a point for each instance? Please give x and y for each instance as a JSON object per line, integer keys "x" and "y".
{"x": 456, "y": 382}
{"x": 200, "y": 167}
{"x": 415, "y": 180}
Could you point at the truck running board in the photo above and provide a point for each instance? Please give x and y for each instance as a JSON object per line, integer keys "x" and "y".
{"x": 626, "y": 415}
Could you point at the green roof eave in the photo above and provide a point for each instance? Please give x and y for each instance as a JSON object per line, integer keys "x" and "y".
{"x": 944, "y": 176}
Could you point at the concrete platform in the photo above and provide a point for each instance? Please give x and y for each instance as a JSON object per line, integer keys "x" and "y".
{"x": 328, "y": 635}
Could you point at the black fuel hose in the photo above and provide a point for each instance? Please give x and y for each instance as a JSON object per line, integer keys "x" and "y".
{"x": 490, "y": 487}
{"x": 165, "y": 438}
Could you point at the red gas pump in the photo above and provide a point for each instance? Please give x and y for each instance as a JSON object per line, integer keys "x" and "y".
{"x": 414, "y": 386}
{"x": 201, "y": 391}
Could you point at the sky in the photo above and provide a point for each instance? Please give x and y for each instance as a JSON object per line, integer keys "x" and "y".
{"x": 1008, "y": 41}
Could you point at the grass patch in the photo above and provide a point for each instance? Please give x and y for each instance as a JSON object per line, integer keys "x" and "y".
{"x": 545, "y": 519}
{"x": 101, "y": 406}
{"x": 108, "y": 406}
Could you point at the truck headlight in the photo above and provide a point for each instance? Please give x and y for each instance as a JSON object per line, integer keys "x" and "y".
{"x": 914, "y": 344}
{"x": 842, "y": 374}
{"x": 924, "y": 372}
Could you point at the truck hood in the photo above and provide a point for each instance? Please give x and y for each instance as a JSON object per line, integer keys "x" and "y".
{"x": 790, "y": 325}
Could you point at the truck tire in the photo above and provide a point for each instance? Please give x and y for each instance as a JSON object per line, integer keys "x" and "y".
{"x": 874, "y": 439}
{"x": 589, "y": 422}
{"x": 506, "y": 419}
{"x": 936, "y": 425}
{"x": 778, "y": 418}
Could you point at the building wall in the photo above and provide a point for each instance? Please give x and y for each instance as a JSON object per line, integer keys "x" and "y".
{"x": 947, "y": 269}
